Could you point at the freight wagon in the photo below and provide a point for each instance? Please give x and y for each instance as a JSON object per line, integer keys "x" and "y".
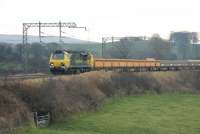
{"x": 179, "y": 64}
{"x": 126, "y": 64}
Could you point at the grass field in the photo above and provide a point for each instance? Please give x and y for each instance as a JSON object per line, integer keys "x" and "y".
{"x": 146, "y": 114}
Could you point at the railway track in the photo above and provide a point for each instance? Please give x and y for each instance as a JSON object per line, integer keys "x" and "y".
{"x": 24, "y": 76}
{"x": 40, "y": 75}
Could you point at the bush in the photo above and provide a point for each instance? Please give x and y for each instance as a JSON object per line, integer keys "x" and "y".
{"x": 65, "y": 95}
{"x": 13, "y": 112}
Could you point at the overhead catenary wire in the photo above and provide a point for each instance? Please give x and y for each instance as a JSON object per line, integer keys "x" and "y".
{"x": 39, "y": 25}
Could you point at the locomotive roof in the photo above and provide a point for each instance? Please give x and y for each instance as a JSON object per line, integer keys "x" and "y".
{"x": 75, "y": 51}
{"x": 70, "y": 51}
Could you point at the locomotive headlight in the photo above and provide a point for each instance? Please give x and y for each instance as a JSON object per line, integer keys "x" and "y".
{"x": 51, "y": 65}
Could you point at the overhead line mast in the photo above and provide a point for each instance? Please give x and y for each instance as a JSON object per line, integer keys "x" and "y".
{"x": 26, "y": 27}
{"x": 107, "y": 40}
{"x": 60, "y": 24}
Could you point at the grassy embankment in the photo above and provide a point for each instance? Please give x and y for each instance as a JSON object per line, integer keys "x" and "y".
{"x": 145, "y": 114}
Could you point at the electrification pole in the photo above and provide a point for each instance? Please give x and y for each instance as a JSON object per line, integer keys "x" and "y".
{"x": 26, "y": 27}
{"x": 108, "y": 40}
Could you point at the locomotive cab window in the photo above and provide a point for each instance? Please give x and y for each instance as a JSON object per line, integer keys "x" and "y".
{"x": 84, "y": 56}
{"x": 58, "y": 56}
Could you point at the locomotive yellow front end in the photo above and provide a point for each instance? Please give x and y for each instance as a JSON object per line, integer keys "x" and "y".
{"x": 68, "y": 61}
{"x": 59, "y": 61}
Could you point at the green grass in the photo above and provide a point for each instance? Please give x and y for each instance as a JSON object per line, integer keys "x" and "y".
{"x": 146, "y": 114}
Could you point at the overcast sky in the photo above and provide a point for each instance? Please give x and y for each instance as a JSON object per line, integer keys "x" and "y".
{"x": 103, "y": 17}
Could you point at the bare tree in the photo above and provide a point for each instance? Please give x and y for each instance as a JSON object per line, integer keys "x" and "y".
{"x": 121, "y": 49}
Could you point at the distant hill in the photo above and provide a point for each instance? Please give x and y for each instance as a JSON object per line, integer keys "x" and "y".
{"x": 16, "y": 39}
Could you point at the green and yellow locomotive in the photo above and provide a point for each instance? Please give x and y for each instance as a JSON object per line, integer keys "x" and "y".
{"x": 67, "y": 61}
